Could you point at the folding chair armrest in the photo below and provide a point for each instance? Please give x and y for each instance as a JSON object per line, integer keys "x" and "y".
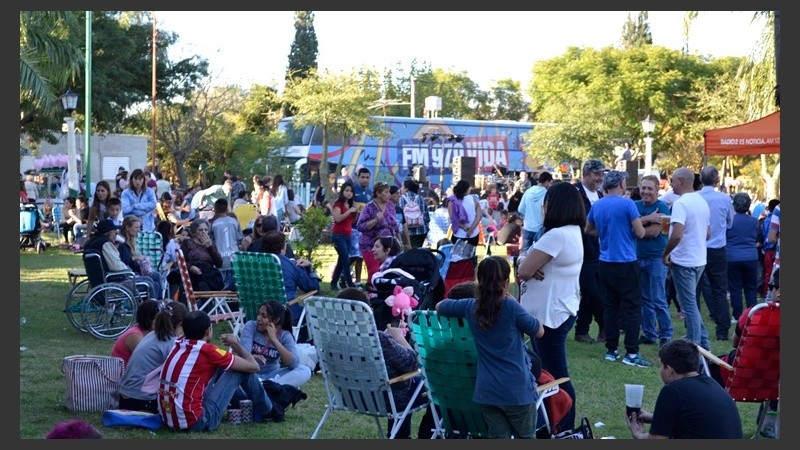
{"x": 301, "y": 297}
{"x": 218, "y": 294}
{"x": 551, "y": 384}
{"x": 405, "y": 376}
{"x": 713, "y": 358}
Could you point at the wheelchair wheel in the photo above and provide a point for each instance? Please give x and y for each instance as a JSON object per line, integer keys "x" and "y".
{"x": 109, "y": 310}
{"x": 74, "y": 306}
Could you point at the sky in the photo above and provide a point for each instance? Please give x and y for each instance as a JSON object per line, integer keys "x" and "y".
{"x": 252, "y": 47}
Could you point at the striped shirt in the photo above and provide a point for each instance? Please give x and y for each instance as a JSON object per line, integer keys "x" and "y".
{"x": 189, "y": 367}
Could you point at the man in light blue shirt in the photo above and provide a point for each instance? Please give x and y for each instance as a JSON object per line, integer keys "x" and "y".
{"x": 530, "y": 207}
{"x": 714, "y": 282}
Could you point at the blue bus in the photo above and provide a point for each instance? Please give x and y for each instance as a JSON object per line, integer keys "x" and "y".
{"x": 431, "y": 143}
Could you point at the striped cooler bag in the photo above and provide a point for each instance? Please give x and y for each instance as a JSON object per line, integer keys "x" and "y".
{"x": 92, "y": 382}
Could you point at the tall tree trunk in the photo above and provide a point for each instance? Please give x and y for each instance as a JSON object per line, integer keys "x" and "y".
{"x": 770, "y": 181}
{"x": 777, "y": 30}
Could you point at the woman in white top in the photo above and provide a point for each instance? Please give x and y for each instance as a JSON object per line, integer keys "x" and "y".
{"x": 293, "y": 211}
{"x": 550, "y": 271}
{"x": 280, "y": 196}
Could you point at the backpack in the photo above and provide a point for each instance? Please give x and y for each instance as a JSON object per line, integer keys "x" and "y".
{"x": 412, "y": 214}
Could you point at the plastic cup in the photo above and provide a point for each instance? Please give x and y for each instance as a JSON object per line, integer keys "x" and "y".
{"x": 633, "y": 398}
{"x": 665, "y": 224}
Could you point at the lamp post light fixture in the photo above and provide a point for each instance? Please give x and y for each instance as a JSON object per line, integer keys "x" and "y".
{"x": 648, "y": 125}
{"x": 70, "y": 102}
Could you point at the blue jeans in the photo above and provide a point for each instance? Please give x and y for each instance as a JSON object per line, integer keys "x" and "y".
{"x": 686, "y": 280}
{"x": 743, "y": 276}
{"x": 552, "y": 349}
{"x": 219, "y": 393}
{"x": 505, "y": 421}
{"x": 652, "y": 282}
{"x": 342, "y": 269}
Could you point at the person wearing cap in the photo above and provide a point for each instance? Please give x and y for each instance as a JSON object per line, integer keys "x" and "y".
{"x": 103, "y": 240}
{"x": 592, "y": 296}
{"x": 689, "y": 230}
{"x": 616, "y": 221}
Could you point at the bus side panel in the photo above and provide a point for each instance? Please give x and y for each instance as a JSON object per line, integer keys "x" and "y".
{"x": 392, "y": 159}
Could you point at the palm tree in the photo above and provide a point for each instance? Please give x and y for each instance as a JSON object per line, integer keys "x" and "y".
{"x": 47, "y": 60}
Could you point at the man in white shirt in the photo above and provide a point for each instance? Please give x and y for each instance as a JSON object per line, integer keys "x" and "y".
{"x": 530, "y": 207}
{"x": 162, "y": 185}
{"x": 689, "y": 230}
{"x": 714, "y": 282}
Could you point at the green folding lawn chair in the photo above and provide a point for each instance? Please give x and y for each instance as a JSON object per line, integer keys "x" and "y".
{"x": 449, "y": 360}
{"x": 149, "y": 244}
{"x": 259, "y": 279}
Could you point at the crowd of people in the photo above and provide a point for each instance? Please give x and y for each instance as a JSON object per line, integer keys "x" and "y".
{"x": 582, "y": 252}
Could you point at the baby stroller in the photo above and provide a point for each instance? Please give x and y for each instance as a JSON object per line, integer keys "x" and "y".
{"x": 418, "y": 268}
{"x": 30, "y": 228}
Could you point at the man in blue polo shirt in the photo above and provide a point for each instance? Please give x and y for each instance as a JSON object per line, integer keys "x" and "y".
{"x": 615, "y": 220}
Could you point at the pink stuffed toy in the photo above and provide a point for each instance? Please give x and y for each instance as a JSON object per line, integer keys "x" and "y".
{"x": 402, "y": 302}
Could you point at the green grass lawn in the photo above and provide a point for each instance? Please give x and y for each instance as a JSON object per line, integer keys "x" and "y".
{"x": 48, "y": 337}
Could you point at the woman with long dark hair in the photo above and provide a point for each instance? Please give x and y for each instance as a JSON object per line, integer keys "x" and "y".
{"x": 269, "y": 338}
{"x": 97, "y": 209}
{"x": 140, "y": 201}
{"x": 499, "y": 324}
{"x": 279, "y": 195}
{"x": 385, "y": 250}
{"x": 151, "y": 353}
{"x": 551, "y": 289}
{"x": 344, "y": 213}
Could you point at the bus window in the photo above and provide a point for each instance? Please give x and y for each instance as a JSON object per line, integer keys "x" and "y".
{"x": 307, "y": 135}
{"x": 334, "y": 139}
{"x": 296, "y": 137}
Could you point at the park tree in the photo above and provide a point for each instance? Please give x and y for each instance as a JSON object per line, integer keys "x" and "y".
{"x": 48, "y": 61}
{"x": 338, "y": 103}
{"x": 303, "y": 53}
{"x": 223, "y": 128}
{"x": 121, "y": 68}
{"x": 184, "y": 129}
{"x": 261, "y": 110}
{"x": 305, "y": 48}
{"x": 757, "y": 95}
{"x": 636, "y": 33}
{"x": 122, "y": 65}
{"x": 598, "y": 98}
{"x": 507, "y": 101}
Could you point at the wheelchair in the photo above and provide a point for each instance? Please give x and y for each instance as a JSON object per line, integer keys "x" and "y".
{"x": 104, "y": 304}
